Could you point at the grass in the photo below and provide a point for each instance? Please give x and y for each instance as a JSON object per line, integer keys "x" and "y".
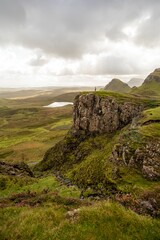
{"x": 133, "y": 182}
{"x": 151, "y": 114}
{"x": 101, "y": 221}
{"x": 151, "y": 130}
{"x": 150, "y": 123}
{"x": 151, "y": 90}
{"x": 12, "y": 185}
{"x": 37, "y": 208}
{"x": 94, "y": 171}
{"x": 117, "y": 85}
{"x": 27, "y": 133}
{"x": 119, "y": 96}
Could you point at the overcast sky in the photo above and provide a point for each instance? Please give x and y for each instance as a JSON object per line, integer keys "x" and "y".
{"x": 77, "y": 42}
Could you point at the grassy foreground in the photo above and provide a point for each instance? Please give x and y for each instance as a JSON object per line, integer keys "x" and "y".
{"x": 101, "y": 221}
{"x": 44, "y": 208}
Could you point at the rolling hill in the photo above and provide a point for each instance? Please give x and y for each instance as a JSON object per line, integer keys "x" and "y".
{"x": 117, "y": 85}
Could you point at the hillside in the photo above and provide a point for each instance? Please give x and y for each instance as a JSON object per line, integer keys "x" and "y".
{"x": 112, "y": 147}
{"x": 151, "y": 85}
{"x": 117, "y": 85}
{"x": 103, "y": 173}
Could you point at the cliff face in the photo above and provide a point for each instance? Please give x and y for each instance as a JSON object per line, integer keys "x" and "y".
{"x": 93, "y": 113}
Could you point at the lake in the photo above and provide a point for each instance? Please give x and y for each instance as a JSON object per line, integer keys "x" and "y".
{"x": 59, "y": 104}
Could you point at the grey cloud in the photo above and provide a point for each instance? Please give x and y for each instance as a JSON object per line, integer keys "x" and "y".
{"x": 38, "y": 61}
{"x": 149, "y": 34}
{"x": 112, "y": 65}
{"x": 118, "y": 65}
{"x": 12, "y": 20}
{"x": 69, "y": 29}
{"x": 66, "y": 72}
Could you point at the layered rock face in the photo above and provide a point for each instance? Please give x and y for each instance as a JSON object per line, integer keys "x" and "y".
{"x": 146, "y": 158}
{"x": 97, "y": 114}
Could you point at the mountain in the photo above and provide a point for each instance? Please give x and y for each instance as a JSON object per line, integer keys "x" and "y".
{"x": 135, "y": 82}
{"x": 117, "y": 85}
{"x": 151, "y": 85}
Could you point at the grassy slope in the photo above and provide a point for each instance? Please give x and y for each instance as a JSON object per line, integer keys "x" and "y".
{"x": 28, "y": 130}
{"x": 117, "y": 85}
{"x": 150, "y": 87}
{"x": 151, "y": 123}
{"x": 101, "y": 220}
{"x": 151, "y": 90}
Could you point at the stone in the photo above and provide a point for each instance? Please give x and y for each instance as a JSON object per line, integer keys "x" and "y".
{"x": 19, "y": 169}
{"x": 96, "y": 114}
{"x": 146, "y": 158}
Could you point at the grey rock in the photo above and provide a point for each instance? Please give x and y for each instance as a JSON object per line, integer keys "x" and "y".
{"x": 96, "y": 114}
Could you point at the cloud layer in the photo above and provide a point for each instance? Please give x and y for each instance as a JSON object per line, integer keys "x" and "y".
{"x": 72, "y": 29}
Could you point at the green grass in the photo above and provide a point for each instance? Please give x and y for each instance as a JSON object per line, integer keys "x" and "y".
{"x": 117, "y": 85}
{"x": 119, "y": 96}
{"x": 151, "y": 114}
{"x": 150, "y": 123}
{"x": 151, "y": 130}
{"x": 27, "y": 133}
{"x": 101, "y": 221}
{"x": 132, "y": 181}
{"x": 12, "y": 185}
{"x": 94, "y": 171}
{"x": 151, "y": 90}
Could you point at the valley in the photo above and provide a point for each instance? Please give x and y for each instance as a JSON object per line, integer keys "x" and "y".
{"x": 90, "y": 166}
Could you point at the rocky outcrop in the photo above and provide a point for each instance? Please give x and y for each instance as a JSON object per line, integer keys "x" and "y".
{"x": 19, "y": 169}
{"x": 97, "y": 114}
{"x": 146, "y": 158}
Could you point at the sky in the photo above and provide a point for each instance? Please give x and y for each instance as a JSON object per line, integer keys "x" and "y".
{"x": 77, "y": 42}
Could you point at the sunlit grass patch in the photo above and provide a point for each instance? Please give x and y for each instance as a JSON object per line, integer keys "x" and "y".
{"x": 151, "y": 130}
{"x": 12, "y": 185}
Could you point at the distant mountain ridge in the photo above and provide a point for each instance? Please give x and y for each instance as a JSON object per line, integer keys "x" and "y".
{"x": 116, "y": 85}
{"x": 135, "y": 82}
{"x": 150, "y": 86}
